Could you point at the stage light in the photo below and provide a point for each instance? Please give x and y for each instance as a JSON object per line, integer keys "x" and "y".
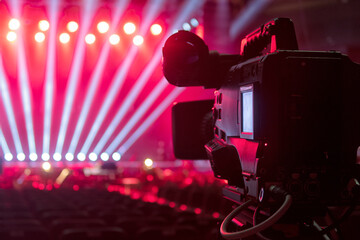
{"x": 57, "y": 156}
{"x": 138, "y": 40}
{"x": 149, "y": 162}
{"x": 75, "y": 74}
{"x": 104, "y": 156}
{"x": 129, "y": 28}
{"x": 103, "y": 27}
{"x": 194, "y": 22}
{"x": 8, "y": 156}
{"x": 156, "y": 29}
{"x": 39, "y": 37}
{"x": 11, "y": 36}
{"x": 90, "y": 38}
{"x": 92, "y": 156}
{"x": 116, "y": 85}
{"x": 95, "y": 79}
{"x": 44, "y": 25}
{"x": 33, "y": 156}
{"x": 114, "y": 39}
{"x": 116, "y": 156}
{"x": 151, "y": 118}
{"x": 69, "y": 156}
{"x": 14, "y": 24}
{"x": 21, "y": 156}
{"x": 46, "y": 166}
{"x": 197, "y": 211}
{"x": 145, "y": 105}
{"x": 81, "y": 156}
{"x": 122, "y": 73}
{"x": 45, "y": 157}
{"x": 72, "y": 26}
{"x": 64, "y": 38}
{"x": 24, "y": 81}
{"x": 186, "y": 26}
{"x": 7, "y": 103}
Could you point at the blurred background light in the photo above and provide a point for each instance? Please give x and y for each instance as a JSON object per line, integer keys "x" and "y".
{"x": 194, "y": 22}
{"x": 46, "y": 166}
{"x": 148, "y": 162}
{"x": 186, "y": 26}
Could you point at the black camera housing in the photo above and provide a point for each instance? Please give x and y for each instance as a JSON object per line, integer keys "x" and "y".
{"x": 281, "y": 116}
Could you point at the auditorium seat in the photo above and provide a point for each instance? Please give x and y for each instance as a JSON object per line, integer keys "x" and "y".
{"x": 168, "y": 233}
{"x": 104, "y": 233}
{"x": 59, "y": 225}
{"x": 131, "y": 225}
{"x": 25, "y": 233}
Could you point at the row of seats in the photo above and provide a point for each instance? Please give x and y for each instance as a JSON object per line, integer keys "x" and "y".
{"x": 64, "y": 214}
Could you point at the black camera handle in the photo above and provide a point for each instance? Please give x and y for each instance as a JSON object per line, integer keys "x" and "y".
{"x": 278, "y": 33}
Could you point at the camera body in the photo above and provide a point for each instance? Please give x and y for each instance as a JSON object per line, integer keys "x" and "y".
{"x": 280, "y": 116}
{"x": 290, "y": 117}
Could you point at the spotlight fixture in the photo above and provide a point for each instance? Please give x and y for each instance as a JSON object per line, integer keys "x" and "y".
{"x": 72, "y": 26}
{"x": 104, "y": 156}
{"x": 156, "y": 29}
{"x": 45, "y": 157}
{"x": 114, "y": 39}
{"x": 11, "y": 36}
{"x": 116, "y": 156}
{"x": 8, "y": 156}
{"x": 129, "y": 28}
{"x": 57, "y": 156}
{"x": 21, "y": 156}
{"x": 138, "y": 40}
{"x": 64, "y": 38}
{"x": 33, "y": 156}
{"x": 44, "y": 25}
{"x": 39, "y": 37}
{"x": 92, "y": 156}
{"x": 81, "y": 156}
{"x": 103, "y": 27}
{"x": 14, "y": 24}
{"x": 69, "y": 157}
{"x": 90, "y": 38}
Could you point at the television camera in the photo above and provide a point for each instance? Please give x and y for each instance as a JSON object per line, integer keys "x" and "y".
{"x": 283, "y": 129}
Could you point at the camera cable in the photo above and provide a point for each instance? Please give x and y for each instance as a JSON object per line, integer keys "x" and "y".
{"x": 256, "y": 228}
